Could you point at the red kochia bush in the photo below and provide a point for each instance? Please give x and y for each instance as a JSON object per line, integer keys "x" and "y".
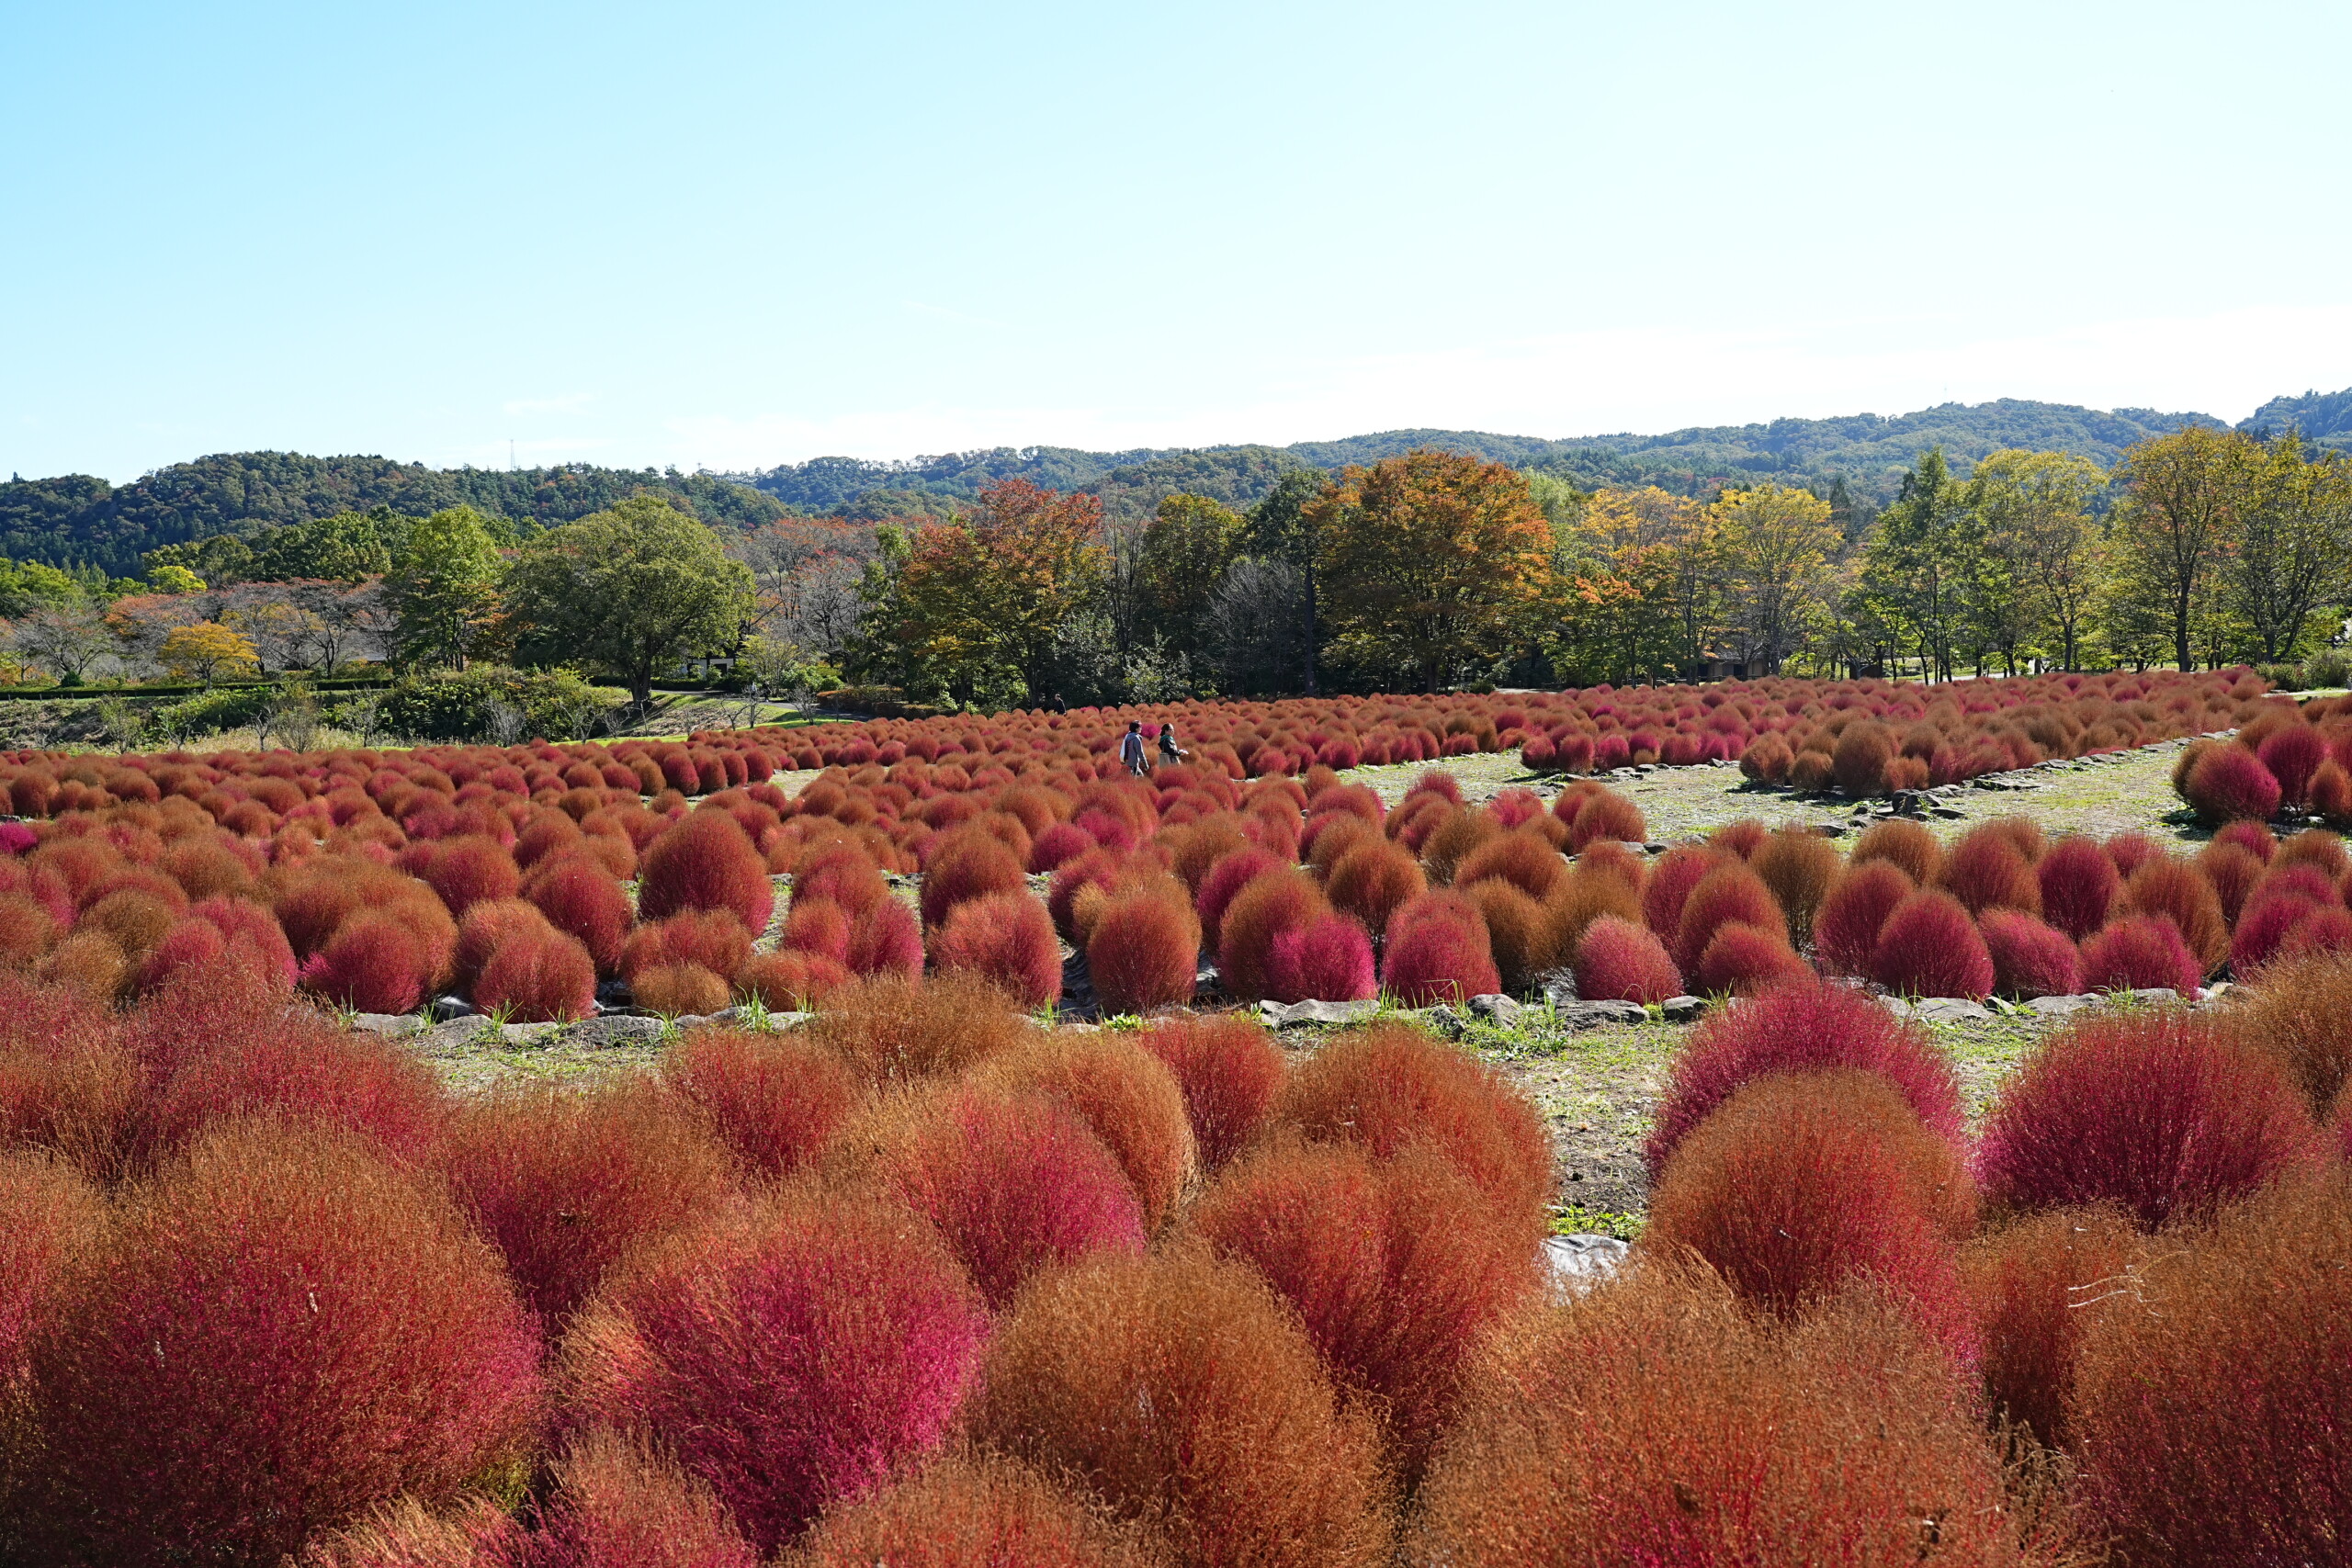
{"x": 1006, "y": 938}
{"x": 298, "y": 1069}
{"x": 791, "y": 1358}
{"x": 1619, "y": 961}
{"x": 2293, "y": 754}
{"x": 884, "y": 943}
{"x": 539, "y": 977}
{"x": 1730, "y": 893}
{"x": 2036, "y": 1285}
{"x": 2137, "y": 952}
{"x": 373, "y": 963}
{"x": 2208, "y": 1404}
{"x": 1326, "y": 959}
{"x": 1373, "y": 880}
{"x": 2030, "y": 959}
{"x": 710, "y": 938}
{"x": 2078, "y": 884}
{"x": 583, "y": 900}
{"x": 50, "y": 1218}
{"x": 1743, "y": 960}
{"x": 1660, "y": 1425}
{"x": 1145, "y": 951}
{"x": 1437, "y": 950}
{"x": 1985, "y": 870}
{"x": 789, "y": 981}
{"x": 1230, "y": 1071}
{"x": 1247, "y": 1459}
{"x": 1670, "y": 882}
{"x": 2161, "y": 1112}
{"x": 1262, "y": 910}
{"x": 617, "y": 1505}
{"x": 1124, "y": 1093}
{"x": 1390, "y": 1086}
{"x": 2228, "y": 783}
{"x": 1803, "y": 1185}
{"x": 1928, "y": 947}
{"x": 280, "y": 1332}
{"x": 565, "y": 1183}
{"x": 774, "y": 1100}
{"x": 1015, "y": 1180}
{"x": 705, "y": 862}
{"x": 1846, "y": 928}
{"x": 973, "y": 1513}
{"x": 968, "y": 865}
{"x": 1801, "y": 1028}
{"x": 1395, "y": 1269}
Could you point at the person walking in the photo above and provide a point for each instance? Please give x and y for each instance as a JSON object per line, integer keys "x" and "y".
{"x": 1131, "y": 750}
{"x": 1169, "y": 751}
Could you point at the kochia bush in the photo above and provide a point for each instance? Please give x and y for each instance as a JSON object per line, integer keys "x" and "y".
{"x": 705, "y": 862}
{"x": 1230, "y": 1071}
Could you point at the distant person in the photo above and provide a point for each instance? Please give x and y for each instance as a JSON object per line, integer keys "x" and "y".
{"x": 1061, "y": 703}
{"x": 1169, "y": 751}
{"x": 1131, "y": 749}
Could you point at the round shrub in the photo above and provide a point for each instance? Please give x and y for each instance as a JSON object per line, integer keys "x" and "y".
{"x": 2140, "y": 952}
{"x": 1744, "y": 960}
{"x": 1905, "y": 843}
{"x": 1519, "y": 933}
{"x": 2177, "y": 891}
{"x": 1437, "y": 950}
{"x": 617, "y": 1504}
{"x": 1799, "y": 865}
{"x": 2301, "y": 1015}
{"x": 773, "y": 1099}
{"x": 884, "y": 943}
{"x": 1730, "y": 893}
{"x": 1524, "y": 860}
{"x": 1262, "y": 909}
{"x": 1846, "y": 928}
{"x": 2161, "y": 1112}
{"x": 2036, "y": 1286}
{"x": 280, "y": 1332}
{"x": 565, "y": 1183}
{"x": 1006, "y": 938}
{"x": 2229, "y": 782}
{"x": 1389, "y": 1086}
{"x": 1928, "y": 947}
{"x": 2078, "y": 884}
{"x": 1126, "y": 1094}
{"x": 1326, "y": 959}
{"x": 2209, "y": 1403}
{"x": 1145, "y": 950}
{"x": 1248, "y": 1459}
{"x": 1663, "y": 1425}
{"x": 1619, "y": 961}
{"x": 300, "y": 1070}
{"x": 791, "y": 981}
{"x": 2030, "y": 958}
{"x": 1230, "y": 1071}
{"x": 1395, "y": 1269}
{"x": 1375, "y": 879}
{"x": 705, "y": 862}
{"x": 965, "y": 865}
{"x": 1015, "y": 1180}
{"x": 708, "y": 939}
{"x": 679, "y": 990}
{"x": 1801, "y": 1028}
{"x": 978, "y": 1512}
{"x": 1985, "y": 870}
{"x": 1801, "y": 1186}
{"x": 893, "y": 1031}
{"x": 539, "y": 977}
{"x": 1670, "y": 882}
{"x": 585, "y": 901}
{"x": 372, "y": 964}
{"x": 792, "y": 1358}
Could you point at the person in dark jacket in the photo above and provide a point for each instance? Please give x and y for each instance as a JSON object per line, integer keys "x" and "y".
{"x": 1131, "y": 750}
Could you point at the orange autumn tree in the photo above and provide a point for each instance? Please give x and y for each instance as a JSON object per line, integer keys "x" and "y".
{"x": 1633, "y": 587}
{"x": 983, "y": 595}
{"x": 1431, "y": 567}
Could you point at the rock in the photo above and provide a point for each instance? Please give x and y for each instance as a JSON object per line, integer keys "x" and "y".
{"x": 1896, "y": 1006}
{"x": 447, "y": 1038}
{"x": 612, "y": 994}
{"x": 1579, "y": 1262}
{"x": 1831, "y": 829}
{"x": 446, "y": 1008}
{"x": 687, "y": 1021}
{"x": 1277, "y": 1015}
{"x": 2154, "y": 996}
{"x": 2058, "y": 1007}
{"x": 1447, "y": 1021}
{"x": 1499, "y": 1011}
{"x": 1948, "y": 1009}
{"x": 740, "y": 1018}
{"x": 1683, "y": 1010}
{"x": 528, "y": 1033}
{"x": 1592, "y": 1015}
{"x": 1653, "y": 848}
{"x": 1946, "y": 813}
{"x": 1905, "y": 803}
{"x": 394, "y": 1024}
{"x": 603, "y": 1034}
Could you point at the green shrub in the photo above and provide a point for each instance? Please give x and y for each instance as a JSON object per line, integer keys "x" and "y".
{"x": 2328, "y": 667}
{"x": 494, "y": 703}
{"x": 207, "y": 713}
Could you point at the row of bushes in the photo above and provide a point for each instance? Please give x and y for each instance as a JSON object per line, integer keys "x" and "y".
{"x": 927, "y": 1284}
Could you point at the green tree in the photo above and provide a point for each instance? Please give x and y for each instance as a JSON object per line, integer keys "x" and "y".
{"x": 1920, "y": 557}
{"x": 2184, "y": 496}
{"x": 633, "y": 588}
{"x": 343, "y": 547}
{"x": 2035, "y": 509}
{"x": 221, "y": 560}
{"x": 1191, "y": 541}
{"x": 1434, "y": 565}
{"x": 1773, "y": 549}
{"x": 2294, "y": 546}
{"x": 29, "y": 585}
{"x": 443, "y": 588}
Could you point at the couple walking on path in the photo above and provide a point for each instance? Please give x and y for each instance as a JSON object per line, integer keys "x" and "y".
{"x": 1132, "y": 753}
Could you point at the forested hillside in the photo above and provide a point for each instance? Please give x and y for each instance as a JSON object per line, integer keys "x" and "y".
{"x": 79, "y": 520}
{"x": 1870, "y": 453}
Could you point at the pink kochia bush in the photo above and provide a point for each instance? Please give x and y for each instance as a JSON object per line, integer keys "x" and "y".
{"x": 1326, "y": 959}
{"x": 282, "y": 1331}
{"x": 2140, "y": 952}
{"x": 1438, "y": 951}
{"x": 1846, "y": 928}
{"x": 1805, "y": 1027}
{"x": 1006, "y": 938}
{"x": 1930, "y": 947}
{"x": 2030, "y": 959}
{"x": 1617, "y": 959}
{"x": 2079, "y": 884}
{"x": 792, "y": 1358}
{"x": 2161, "y": 1112}
{"x": 705, "y": 862}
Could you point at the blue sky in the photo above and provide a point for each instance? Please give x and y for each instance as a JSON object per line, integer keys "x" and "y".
{"x": 735, "y": 235}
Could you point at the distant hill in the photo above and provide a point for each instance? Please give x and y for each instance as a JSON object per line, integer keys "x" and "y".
{"x": 1869, "y": 451}
{"x": 79, "y": 520}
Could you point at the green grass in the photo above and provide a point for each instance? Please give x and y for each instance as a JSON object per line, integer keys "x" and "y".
{"x": 1575, "y": 1219}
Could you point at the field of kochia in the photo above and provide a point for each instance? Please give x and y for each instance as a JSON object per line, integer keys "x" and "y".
{"x": 936, "y": 1278}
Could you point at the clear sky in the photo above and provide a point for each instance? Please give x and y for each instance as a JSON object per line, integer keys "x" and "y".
{"x": 738, "y": 234}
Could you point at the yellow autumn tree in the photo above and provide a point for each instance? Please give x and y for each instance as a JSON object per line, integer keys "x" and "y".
{"x": 1633, "y": 596}
{"x": 1774, "y": 551}
{"x": 208, "y": 650}
{"x": 1431, "y": 567}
